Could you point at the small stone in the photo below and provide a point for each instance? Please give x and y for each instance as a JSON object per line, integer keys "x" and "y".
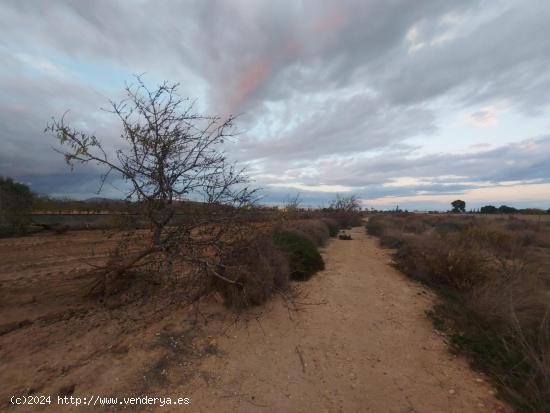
{"x": 452, "y": 391}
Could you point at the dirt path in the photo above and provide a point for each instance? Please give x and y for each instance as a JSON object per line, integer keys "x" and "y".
{"x": 362, "y": 344}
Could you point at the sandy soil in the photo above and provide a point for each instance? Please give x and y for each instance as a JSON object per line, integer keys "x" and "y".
{"x": 355, "y": 338}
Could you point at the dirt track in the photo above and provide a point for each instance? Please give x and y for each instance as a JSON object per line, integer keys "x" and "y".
{"x": 361, "y": 343}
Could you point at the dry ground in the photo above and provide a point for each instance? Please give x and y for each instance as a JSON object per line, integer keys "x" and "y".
{"x": 355, "y": 339}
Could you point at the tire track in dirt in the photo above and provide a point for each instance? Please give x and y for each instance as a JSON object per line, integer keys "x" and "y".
{"x": 362, "y": 344}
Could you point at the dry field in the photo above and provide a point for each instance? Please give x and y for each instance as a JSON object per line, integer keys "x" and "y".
{"x": 56, "y": 341}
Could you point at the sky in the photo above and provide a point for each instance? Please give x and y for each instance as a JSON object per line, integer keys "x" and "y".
{"x": 409, "y": 103}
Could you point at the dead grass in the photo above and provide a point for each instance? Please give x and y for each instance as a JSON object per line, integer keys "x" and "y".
{"x": 257, "y": 268}
{"x": 493, "y": 275}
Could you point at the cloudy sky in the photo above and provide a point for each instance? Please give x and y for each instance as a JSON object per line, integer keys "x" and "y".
{"x": 415, "y": 103}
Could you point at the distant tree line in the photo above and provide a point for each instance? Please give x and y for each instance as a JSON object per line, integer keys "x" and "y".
{"x": 44, "y": 203}
{"x": 16, "y": 203}
{"x": 504, "y": 209}
{"x": 459, "y": 206}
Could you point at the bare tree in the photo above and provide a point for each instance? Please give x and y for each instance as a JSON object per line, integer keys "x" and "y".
{"x": 291, "y": 208}
{"x": 169, "y": 153}
{"x": 346, "y": 210}
{"x": 345, "y": 203}
{"x": 293, "y": 202}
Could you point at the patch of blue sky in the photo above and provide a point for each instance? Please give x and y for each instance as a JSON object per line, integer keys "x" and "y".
{"x": 478, "y": 129}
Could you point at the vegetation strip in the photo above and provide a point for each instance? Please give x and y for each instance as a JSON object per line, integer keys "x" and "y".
{"x": 492, "y": 277}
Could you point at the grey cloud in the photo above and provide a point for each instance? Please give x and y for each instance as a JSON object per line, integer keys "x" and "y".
{"x": 524, "y": 161}
{"x": 27, "y": 105}
{"x": 299, "y": 46}
{"x": 501, "y": 59}
{"x": 222, "y": 42}
{"x": 356, "y": 124}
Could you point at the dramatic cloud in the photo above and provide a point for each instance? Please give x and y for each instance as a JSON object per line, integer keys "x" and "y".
{"x": 384, "y": 99}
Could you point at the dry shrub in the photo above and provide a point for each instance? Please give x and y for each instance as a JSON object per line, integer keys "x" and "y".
{"x": 415, "y": 225}
{"x": 442, "y": 261}
{"x": 248, "y": 269}
{"x": 256, "y": 268}
{"x": 264, "y": 263}
{"x": 497, "y": 240}
{"x": 527, "y": 238}
{"x": 450, "y": 225}
{"x": 315, "y": 230}
{"x": 393, "y": 238}
{"x": 391, "y": 241}
{"x": 332, "y": 226}
{"x": 398, "y": 224}
{"x": 517, "y": 299}
{"x": 513, "y": 343}
{"x": 346, "y": 219}
{"x": 376, "y": 226}
{"x": 542, "y": 239}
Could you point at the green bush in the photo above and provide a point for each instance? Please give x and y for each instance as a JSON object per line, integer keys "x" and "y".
{"x": 304, "y": 259}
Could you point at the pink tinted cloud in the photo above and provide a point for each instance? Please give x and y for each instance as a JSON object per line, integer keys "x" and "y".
{"x": 255, "y": 75}
{"x": 329, "y": 22}
{"x": 250, "y": 80}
